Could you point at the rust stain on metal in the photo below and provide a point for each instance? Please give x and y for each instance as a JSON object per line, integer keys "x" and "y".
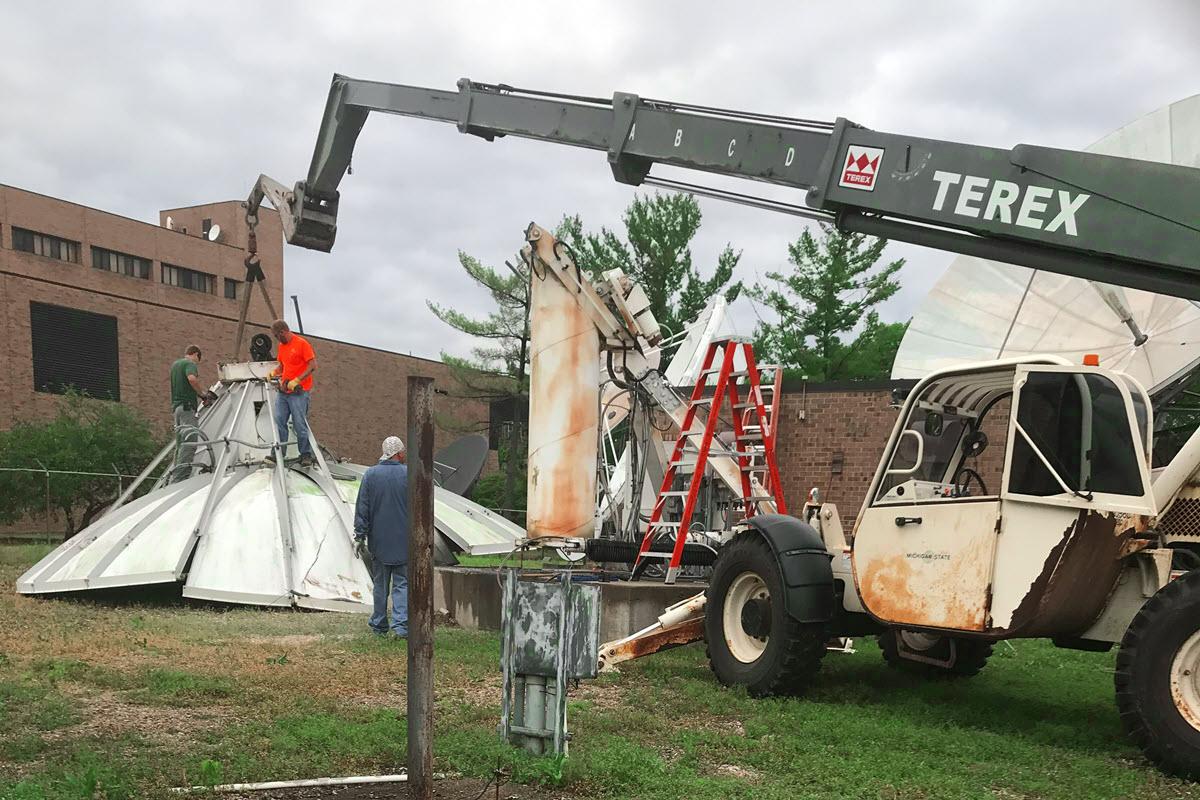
{"x": 894, "y": 590}
{"x": 564, "y": 403}
{"x": 1078, "y": 576}
{"x": 1182, "y": 705}
{"x": 676, "y": 636}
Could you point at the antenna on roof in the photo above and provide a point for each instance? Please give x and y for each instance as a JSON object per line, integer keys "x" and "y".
{"x": 170, "y": 223}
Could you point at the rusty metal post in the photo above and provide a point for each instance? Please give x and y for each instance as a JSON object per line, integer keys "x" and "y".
{"x": 420, "y": 588}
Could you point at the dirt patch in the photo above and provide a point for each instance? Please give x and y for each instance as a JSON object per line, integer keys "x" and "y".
{"x": 290, "y": 640}
{"x": 445, "y": 789}
{"x": 107, "y": 714}
{"x": 601, "y": 697}
{"x": 734, "y": 771}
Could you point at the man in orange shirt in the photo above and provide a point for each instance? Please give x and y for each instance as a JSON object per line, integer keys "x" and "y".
{"x": 296, "y": 364}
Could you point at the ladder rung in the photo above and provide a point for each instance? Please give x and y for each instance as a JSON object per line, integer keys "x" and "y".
{"x": 740, "y": 406}
{"x": 741, "y": 373}
{"x": 758, "y": 498}
{"x": 760, "y": 468}
{"x": 750, "y": 437}
{"x": 655, "y": 554}
{"x": 674, "y": 493}
{"x": 664, "y": 524}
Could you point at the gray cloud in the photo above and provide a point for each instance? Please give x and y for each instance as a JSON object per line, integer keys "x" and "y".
{"x": 138, "y": 106}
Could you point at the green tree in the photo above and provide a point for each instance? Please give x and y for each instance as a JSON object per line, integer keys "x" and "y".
{"x": 85, "y": 436}
{"x": 833, "y": 287}
{"x": 656, "y": 252}
{"x": 497, "y": 371}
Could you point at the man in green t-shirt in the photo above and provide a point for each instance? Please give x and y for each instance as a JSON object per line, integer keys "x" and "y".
{"x": 186, "y": 395}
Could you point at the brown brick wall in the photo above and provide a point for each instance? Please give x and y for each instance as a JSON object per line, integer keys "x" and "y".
{"x": 359, "y": 395}
{"x": 855, "y": 425}
{"x": 852, "y": 425}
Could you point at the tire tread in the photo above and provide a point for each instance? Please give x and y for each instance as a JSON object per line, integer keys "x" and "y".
{"x": 804, "y": 643}
{"x": 1144, "y": 734}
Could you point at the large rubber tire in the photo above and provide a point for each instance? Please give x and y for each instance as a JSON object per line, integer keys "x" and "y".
{"x": 963, "y": 657}
{"x": 1153, "y": 706}
{"x": 793, "y": 650}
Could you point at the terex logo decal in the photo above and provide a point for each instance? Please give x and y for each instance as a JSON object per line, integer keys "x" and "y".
{"x": 862, "y": 164}
{"x": 1006, "y": 202}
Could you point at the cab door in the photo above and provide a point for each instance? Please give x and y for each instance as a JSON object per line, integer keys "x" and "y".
{"x": 924, "y": 546}
{"x": 1076, "y": 488}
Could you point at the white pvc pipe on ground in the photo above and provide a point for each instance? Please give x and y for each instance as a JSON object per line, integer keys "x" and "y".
{"x": 298, "y": 784}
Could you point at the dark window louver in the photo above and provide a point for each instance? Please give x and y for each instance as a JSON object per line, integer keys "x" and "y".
{"x": 74, "y": 349}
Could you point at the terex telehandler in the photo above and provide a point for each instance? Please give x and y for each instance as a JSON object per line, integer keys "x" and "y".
{"x": 1014, "y": 498}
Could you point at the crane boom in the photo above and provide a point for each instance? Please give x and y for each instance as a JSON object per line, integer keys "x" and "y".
{"x": 1115, "y": 220}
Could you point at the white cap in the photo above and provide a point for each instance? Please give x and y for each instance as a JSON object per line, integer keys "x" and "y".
{"x": 391, "y": 446}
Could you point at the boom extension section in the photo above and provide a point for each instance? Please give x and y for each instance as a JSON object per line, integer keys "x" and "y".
{"x": 1114, "y": 220}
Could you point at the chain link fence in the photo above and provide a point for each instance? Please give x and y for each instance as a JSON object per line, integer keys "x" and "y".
{"x": 49, "y": 523}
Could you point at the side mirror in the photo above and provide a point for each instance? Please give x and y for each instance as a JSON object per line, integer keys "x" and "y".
{"x": 920, "y": 454}
{"x": 933, "y": 424}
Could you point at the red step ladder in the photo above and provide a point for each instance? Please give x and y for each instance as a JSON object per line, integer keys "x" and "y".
{"x": 770, "y": 402}
{"x": 753, "y": 447}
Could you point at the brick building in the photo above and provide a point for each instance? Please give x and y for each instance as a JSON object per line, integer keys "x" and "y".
{"x": 106, "y": 303}
{"x": 832, "y": 436}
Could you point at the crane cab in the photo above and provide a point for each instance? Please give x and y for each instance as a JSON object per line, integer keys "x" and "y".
{"x": 1006, "y": 500}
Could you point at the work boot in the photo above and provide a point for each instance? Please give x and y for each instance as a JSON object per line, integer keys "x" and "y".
{"x": 270, "y": 457}
{"x": 306, "y": 460}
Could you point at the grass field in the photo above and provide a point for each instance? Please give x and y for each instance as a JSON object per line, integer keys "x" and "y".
{"x": 121, "y": 701}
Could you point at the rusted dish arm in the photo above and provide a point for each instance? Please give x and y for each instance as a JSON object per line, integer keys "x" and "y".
{"x": 680, "y": 624}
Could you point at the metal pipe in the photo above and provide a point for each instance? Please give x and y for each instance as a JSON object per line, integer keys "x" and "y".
{"x": 299, "y": 319}
{"x": 535, "y": 711}
{"x": 420, "y": 587}
{"x": 142, "y": 476}
{"x": 1183, "y": 466}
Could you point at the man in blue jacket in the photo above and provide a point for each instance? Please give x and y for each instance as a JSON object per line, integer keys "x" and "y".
{"x": 381, "y": 526}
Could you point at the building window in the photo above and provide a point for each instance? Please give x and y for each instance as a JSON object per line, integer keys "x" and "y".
{"x": 205, "y": 227}
{"x": 74, "y": 349}
{"x": 232, "y": 288}
{"x": 186, "y": 278}
{"x": 121, "y": 263}
{"x": 43, "y": 244}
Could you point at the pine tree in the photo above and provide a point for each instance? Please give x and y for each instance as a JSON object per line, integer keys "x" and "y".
{"x": 833, "y": 288}
{"x": 656, "y": 253}
{"x": 497, "y": 372}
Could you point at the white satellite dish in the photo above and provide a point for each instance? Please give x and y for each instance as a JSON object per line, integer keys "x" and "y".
{"x": 214, "y": 233}
{"x": 981, "y": 310}
{"x": 170, "y": 223}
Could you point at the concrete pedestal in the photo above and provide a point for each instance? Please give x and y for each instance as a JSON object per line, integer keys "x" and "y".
{"x": 472, "y": 597}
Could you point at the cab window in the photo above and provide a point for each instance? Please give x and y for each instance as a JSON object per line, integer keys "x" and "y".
{"x": 1073, "y": 436}
{"x": 923, "y": 457}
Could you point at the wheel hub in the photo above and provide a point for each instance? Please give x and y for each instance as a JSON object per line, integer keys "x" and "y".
{"x": 746, "y": 617}
{"x": 1185, "y": 680}
{"x": 756, "y": 617}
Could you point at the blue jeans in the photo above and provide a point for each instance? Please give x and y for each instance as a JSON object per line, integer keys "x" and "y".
{"x": 294, "y": 405}
{"x": 395, "y": 577}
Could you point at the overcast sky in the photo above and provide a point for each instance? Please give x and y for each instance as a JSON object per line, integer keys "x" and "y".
{"x": 133, "y": 107}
